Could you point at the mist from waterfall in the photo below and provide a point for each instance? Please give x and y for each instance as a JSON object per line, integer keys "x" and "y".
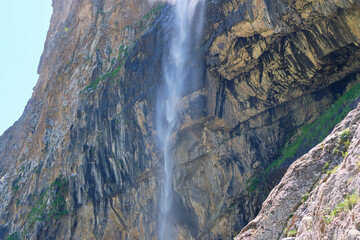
{"x": 178, "y": 74}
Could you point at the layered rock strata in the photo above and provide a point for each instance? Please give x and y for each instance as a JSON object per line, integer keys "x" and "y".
{"x": 268, "y": 67}
{"x": 318, "y": 198}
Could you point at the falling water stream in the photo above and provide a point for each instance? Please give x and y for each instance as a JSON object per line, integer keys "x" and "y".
{"x": 185, "y": 36}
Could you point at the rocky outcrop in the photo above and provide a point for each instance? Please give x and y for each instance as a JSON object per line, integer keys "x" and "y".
{"x": 318, "y": 198}
{"x": 268, "y": 67}
{"x": 264, "y": 80}
{"x": 76, "y": 127}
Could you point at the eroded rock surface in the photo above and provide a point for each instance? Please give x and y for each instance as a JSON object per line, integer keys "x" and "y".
{"x": 268, "y": 67}
{"x": 318, "y": 198}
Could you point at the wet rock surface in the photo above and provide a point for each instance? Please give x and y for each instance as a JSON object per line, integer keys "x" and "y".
{"x": 268, "y": 67}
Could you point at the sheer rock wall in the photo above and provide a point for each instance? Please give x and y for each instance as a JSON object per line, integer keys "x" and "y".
{"x": 267, "y": 68}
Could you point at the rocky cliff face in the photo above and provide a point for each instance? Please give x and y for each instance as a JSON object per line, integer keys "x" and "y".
{"x": 82, "y": 161}
{"x": 318, "y": 198}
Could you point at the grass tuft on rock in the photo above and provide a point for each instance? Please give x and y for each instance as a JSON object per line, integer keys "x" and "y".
{"x": 346, "y": 205}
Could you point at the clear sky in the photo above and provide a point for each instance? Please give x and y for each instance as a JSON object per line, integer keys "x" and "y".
{"x": 23, "y": 26}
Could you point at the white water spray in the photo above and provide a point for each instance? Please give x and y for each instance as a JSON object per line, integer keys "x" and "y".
{"x": 184, "y": 38}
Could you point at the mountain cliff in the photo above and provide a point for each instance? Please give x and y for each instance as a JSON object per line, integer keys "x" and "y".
{"x": 318, "y": 198}
{"x": 82, "y": 161}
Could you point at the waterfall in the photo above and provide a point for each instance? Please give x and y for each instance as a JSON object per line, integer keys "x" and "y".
{"x": 178, "y": 73}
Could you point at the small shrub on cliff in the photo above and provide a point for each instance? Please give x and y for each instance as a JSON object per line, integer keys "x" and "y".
{"x": 326, "y": 167}
{"x": 51, "y": 203}
{"x": 58, "y": 189}
{"x": 343, "y": 143}
{"x": 13, "y": 236}
{"x": 305, "y": 197}
{"x": 332, "y": 171}
{"x": 347, "y": 204}
{"x": 290, "y": 233}
{"x": 344, "y": 135}
{"x": 15, "y": 188}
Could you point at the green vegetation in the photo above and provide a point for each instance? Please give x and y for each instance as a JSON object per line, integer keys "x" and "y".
{"x": 13, "y": 236}
{"x": 15, "y": 188}
{"x": 123, "y": 53}
{"x": 37, "y": 213}
{"x": 332, "y": 171}
{"x": 343, "y": 143}
{"x": 231, "y": 207}
{"x": 313, "y": 133}
{"x": 326, "y": 167}
{"x": 152, "y": 11}
{"x": 347, "y": 204}
{"x": 317, "y": 131}
{"x": 51, "y": 203}
{"x": 122, "y": 50}
{"x": 94, "y": 84}
{"x": 290, "y": 233}
{"x": 254, "y": 183}
{"x": 344, "y": 135}
{"x": 58, "y": 205}
{"x": 305, "y": 197}
{"x": 108, "y": 76}
{"x": 126, "y": 123}
{"x": 146, "y": 17}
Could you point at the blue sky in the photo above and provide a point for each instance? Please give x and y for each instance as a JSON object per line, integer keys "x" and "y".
{"x": 23, "y": 25}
